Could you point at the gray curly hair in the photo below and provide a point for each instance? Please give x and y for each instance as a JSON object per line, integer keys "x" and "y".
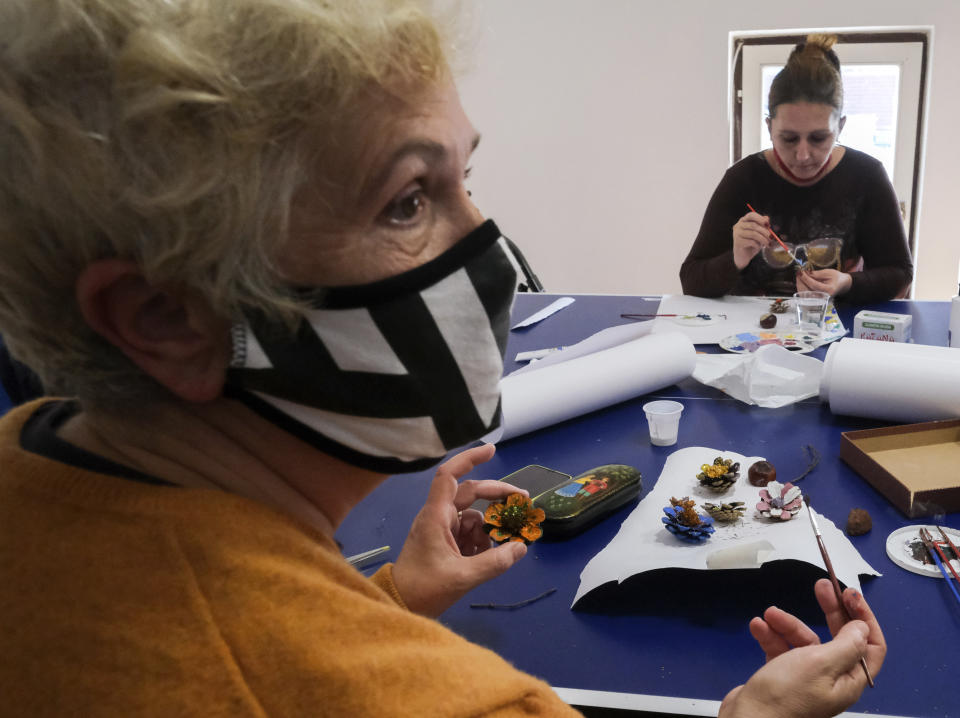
{"x": 174, "y": 133}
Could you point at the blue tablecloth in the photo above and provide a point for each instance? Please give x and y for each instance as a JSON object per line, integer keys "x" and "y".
{"x": 676, "y": 637}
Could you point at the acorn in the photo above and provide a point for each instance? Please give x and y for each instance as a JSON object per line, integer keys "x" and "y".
{"x": 768, "y": 321}
{"x": 761, "y": 473}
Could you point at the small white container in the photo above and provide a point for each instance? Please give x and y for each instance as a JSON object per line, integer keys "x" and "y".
{"x": 663, "y": 418}
{"x": 882, "y": 326}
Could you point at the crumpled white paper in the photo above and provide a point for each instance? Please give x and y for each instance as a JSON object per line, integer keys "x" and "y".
{"x": 770, "y": 377}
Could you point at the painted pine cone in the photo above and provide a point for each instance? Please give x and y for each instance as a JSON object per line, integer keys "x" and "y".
{"x": 684, "y": 522}
{"x": 779, "y": 501}
{"x": 720, "y": 475}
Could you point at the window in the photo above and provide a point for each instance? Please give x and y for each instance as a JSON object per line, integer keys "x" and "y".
{"x": 871, "y": 103}
{"x": 883, "y": 80}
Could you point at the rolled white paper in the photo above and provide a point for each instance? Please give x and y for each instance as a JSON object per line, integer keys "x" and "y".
{"x": 891, "y": 380}
{"x": 532, "y": 400}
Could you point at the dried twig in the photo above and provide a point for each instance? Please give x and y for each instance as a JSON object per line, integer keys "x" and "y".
{"x": 813, "y": 457}
{"x": 512, "y": 606}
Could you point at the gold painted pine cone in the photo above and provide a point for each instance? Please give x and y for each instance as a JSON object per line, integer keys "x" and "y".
{"x": 720, "y": 475}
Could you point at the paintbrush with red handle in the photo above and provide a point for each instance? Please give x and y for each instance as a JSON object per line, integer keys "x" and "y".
{"x": 936, "y": 554}
{"x": 774, "y": 235}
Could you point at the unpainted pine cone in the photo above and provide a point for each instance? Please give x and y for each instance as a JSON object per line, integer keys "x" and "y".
{"x": 726, "y": 512}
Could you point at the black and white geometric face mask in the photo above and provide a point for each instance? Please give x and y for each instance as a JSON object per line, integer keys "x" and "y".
{"x": 391, "y": 375}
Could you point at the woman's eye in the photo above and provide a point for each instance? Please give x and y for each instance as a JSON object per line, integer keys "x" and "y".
{"x": 407, "y": 208}
{"x": 788, "y": 140}
{"x": 818, "y": 138}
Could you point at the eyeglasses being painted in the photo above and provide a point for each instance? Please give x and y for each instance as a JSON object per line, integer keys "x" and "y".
{"x": 823, "y": 253}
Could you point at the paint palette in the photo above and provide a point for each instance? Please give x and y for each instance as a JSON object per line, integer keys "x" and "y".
{"x": 907, "y": 551}
{"x": 701, "y": 319}
{"x": 748, "y": 342}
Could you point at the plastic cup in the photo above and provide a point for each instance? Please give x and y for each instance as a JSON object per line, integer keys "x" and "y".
{"x": 811, "y": 310}
{"x": 663, "y": 418}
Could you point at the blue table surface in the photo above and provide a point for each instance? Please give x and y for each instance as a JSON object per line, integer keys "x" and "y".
{"x": 684, "y": 633}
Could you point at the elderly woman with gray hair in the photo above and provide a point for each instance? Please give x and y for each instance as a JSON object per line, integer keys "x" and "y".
{"x": 237, "y": 242}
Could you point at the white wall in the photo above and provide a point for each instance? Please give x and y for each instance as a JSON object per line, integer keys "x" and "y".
{"x": 605, "y": 128}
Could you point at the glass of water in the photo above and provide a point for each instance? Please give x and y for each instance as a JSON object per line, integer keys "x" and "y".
{"x": 811, "y": 309}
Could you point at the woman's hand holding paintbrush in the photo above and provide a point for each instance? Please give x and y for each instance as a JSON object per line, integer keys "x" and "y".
{"x": 751, "y": 234}
{"x": 804, "y": 677}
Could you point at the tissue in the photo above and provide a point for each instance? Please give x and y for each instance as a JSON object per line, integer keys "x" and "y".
{"x": 770, "y": 377}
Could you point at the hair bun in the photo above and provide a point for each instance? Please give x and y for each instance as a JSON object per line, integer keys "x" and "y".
{"x": 822, "y": 41}
{"x": 812, "y": 74}
{"x": 816, "y": 45}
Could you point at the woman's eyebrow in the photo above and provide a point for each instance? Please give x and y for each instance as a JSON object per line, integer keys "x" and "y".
{"x": 431, "y": 151}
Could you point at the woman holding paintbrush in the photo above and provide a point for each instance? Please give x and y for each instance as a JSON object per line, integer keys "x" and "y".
{"x": 238, "y": 244}
{"x": 807, "y": 214}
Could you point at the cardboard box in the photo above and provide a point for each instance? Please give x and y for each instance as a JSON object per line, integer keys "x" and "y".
{"x": 882, "y": 326}
{"x": 915, "y": 465}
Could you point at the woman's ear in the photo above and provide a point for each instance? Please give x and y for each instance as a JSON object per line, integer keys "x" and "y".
{"x": 175, "y": 338}
{"x": 843, "y": 121}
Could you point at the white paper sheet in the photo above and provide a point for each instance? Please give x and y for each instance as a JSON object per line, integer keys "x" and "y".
{"x": 728, "y": 316}
{"x": 892, "y": 380}
{"x": 770, "y": 377}
{"x": 793, "y": 539}
{"x": 547, "y": 311}
{"x": 604, "y": 339}
{"x": 552, "y": 389}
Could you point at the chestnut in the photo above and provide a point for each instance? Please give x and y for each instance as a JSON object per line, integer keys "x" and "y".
{"x": 761, "y": 473}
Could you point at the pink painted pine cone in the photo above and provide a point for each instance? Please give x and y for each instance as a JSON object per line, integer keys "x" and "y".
{"x": 779, "y": 501}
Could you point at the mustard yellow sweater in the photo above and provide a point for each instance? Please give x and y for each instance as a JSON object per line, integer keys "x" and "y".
{"x": 118, "y": 598}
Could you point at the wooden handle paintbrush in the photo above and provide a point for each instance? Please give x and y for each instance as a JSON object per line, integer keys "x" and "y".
{"x": 833, "y": 580}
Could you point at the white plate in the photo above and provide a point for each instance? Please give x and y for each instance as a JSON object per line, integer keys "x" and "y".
{"x": 698, "y": 320}
{"x": 749, "y": 341}
{"x": 900, "y": 549}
